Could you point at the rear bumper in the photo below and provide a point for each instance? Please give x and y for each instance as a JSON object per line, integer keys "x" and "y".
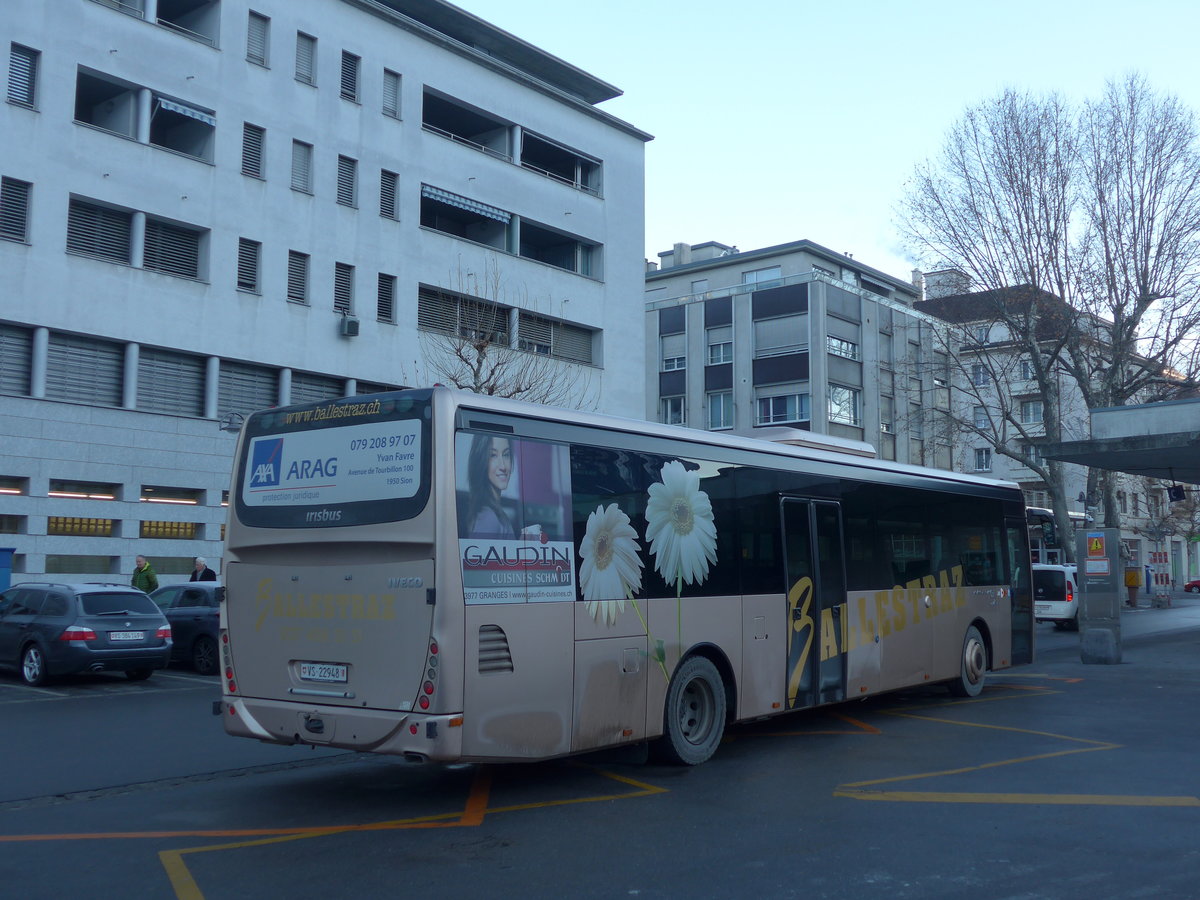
{"x": 74, "y": 658}
{"x": 1055, "y": 611}
{"x": 433, "y": 738}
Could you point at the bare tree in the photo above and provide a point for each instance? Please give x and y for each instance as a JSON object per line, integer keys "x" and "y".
{"x": 998, "y": 206}
{"x": 483, "y": 338}
{"x": 1084, "y": 228}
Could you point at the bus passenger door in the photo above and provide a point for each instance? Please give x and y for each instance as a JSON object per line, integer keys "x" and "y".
{"x": 816, "y": 597}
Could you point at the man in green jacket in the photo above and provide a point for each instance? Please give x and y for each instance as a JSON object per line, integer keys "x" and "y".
{"x": 144, "y": 578}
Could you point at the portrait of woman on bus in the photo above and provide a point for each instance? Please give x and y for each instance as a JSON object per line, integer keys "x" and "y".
{"x": 490, "y": 468}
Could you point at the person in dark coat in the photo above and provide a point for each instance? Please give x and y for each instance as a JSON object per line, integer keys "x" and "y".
{"x": 202, "y": 572}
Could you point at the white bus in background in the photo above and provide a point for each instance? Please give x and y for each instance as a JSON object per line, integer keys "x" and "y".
{"x": 445, "y": 576}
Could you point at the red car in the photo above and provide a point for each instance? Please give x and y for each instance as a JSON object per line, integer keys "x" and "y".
{"x": 1193, "y": 587}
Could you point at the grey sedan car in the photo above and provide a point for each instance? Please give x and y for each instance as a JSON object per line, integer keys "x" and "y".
{"x": 49, "y": 629}
{"x": 194, "y": 611}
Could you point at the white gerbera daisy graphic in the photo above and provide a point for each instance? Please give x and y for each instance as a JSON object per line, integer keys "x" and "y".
{"x": 610, "y": 570}
{"x": 679, "y": 527}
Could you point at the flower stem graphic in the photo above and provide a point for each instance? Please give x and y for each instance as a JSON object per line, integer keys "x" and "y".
{"x": 660, "y": 652}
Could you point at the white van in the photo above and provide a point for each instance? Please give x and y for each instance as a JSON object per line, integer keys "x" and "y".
{"x": 1056, "y": 595}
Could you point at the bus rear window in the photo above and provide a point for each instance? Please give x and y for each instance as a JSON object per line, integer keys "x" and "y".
{"x": 355, "y": 461}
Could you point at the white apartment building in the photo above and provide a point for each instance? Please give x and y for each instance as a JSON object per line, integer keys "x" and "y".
{"x": 794, "y": 336}
{"x": 213, "y": 206}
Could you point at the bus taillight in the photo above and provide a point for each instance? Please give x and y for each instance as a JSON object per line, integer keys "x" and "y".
{"x": 227, "y": 659}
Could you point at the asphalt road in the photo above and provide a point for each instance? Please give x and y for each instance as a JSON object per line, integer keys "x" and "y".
{"x": 1063, "y": 780}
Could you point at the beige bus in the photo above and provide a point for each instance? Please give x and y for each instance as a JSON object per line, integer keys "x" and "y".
{"x": 445, "y": 576}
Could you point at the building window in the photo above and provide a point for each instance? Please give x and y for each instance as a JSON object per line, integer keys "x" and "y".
{"x": 841, "y": 347}
{"x": 983, "y": 459}
{"x": 720, "y": 344}
{"x": 22, "y": 75}
{"x": 782, "y": 408}
{"x": 845, "y": 405}
{"x": 1026, "y": 367}
{"x": 385, "y": 303}
{"x": 1031, "y": 412}
{"x": 1122, "y": 502}
{"x": 249, "y": 262}
{"x": 343, "y": 288}
{"x": 887, "y": 415}
{"x": 671, "y": 411}
{"x": 302, "y": 167}
{"x": 297, "y": 277}
{"x": 258, "y": 31}
{"x": 980, "y": 377}
{"x": 391, "y": 93}
{"x": 169, "y": 382}
{"x": 388, "y": 183}
{"x": 979, "y": 417}
{"x": 82, "y": 490}
{"x": 720, "y": 410}
{"x": 253, "y": 139}
{"x": 1034, "y": 452}
{"x": 763, "y": 277}
{"x": 347, "y": 181}
{"x": 77, "y": 526}
{"x": 674, "y": 352}
{"x": 99, "y": 231}
{"x": 562, "y": 340}
{"x": 14, "y": 209}
{"x": 1136, "y": 510}
{"x": 172, "y": 249}
{"x": 980, "y": 333}
{"x": 351, "y": 65}
{"x": 780, "y": 336}
{"x": 306, "y": 58}
{"x": 180, "y": 531}
{"x": 461, "y": 316}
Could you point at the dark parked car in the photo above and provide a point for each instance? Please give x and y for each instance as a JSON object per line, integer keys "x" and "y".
{"x": 49, "y": 629}
{"x": 194, "y": 611}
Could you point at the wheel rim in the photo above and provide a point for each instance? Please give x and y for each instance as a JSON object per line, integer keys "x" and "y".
{"x": 974, "y": 659}
{"x": 204, "y": 657}
{"x": 32, "y": 665}
{"x": 696, "y": 711}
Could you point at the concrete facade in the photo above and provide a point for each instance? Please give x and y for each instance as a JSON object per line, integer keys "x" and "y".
{"x": 198, "y": 196}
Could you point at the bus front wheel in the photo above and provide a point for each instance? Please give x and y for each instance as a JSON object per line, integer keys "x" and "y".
{"x": 972, "y": 666}
{"x": 694, "y": 721}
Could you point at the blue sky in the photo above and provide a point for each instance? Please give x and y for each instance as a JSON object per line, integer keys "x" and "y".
{"x": 776, "y": 120}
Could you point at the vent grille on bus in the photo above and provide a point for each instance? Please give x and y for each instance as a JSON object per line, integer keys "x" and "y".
{"x": 494, "y": 655}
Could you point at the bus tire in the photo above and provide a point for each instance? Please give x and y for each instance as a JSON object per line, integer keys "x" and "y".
{"x": 694, "y": 717}
{"x": 972, "y": 667}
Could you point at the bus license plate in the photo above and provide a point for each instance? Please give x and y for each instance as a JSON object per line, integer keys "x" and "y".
{"x": 127, "y": 635}
{"x": 311, "y": 671}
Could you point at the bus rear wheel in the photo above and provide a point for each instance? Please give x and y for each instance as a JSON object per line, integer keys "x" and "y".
{"x": 972, "y": 666}
{"x": 694, "y": 720}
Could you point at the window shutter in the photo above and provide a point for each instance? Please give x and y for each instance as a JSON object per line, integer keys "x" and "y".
{"x": 437, "y": 311}
{"x": 572, "y": 342}
{"x": 16, "y": 358}
{"x": 343, "y": 288}
{"x": 249, "y": 254}
{"x": 536, "y": 334}
{"x": 350, "y": 66}
{"x": 391, "y": 93}
{"x": 252, "y": 150}
{"x": 170, "y": 382}
{"x": 14, "y": 209}
{"x": 347, "y": 178}
{"x": 84, "y": 370}
{"x": 22, "y": 75}
{"x": 302, "y": 166}
{"x": 98, "y": 231}
{"x": 256, "y": 38}
{"x": 245, "y": 388}
{"x": 386, "y": 298}
{"x": 309, "y": 388}
{"x": 171, "y": 249}
{"x": 388, "y": 182}
{"x": 297, "y": 283}
{"x": 306, "y": 58}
